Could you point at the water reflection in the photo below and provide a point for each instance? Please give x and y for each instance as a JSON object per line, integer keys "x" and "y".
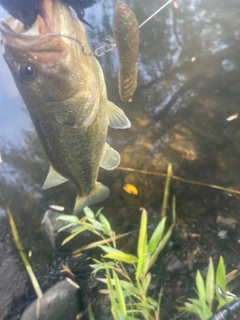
{"x": 188, "y": 86}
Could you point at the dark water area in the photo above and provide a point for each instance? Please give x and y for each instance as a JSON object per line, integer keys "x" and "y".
{"x": 188, "y": 87}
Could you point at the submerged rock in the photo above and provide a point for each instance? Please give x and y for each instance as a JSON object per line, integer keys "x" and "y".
{"x": 58, "y": 303}
{"x": 14, "y": 282}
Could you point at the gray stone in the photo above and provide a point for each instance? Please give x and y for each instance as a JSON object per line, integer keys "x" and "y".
{"x": 13, "y": 278}
{"x": 58, "y": 303}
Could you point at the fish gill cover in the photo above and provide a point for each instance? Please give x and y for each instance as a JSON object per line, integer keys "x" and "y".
{"x": 27, "y": 11}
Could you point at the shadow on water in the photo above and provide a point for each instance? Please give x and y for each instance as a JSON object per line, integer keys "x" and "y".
{"x": 189, "y": 84}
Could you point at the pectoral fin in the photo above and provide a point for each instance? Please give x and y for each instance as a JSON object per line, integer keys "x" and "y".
{"x": 110, "y": 159}
{"x": 53, "y": 179}
{"x": 98, "y": 194}
{"x": 117, "y": 118}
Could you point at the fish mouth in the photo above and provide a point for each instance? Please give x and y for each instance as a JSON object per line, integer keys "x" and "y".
{"x": 42, "y": 36}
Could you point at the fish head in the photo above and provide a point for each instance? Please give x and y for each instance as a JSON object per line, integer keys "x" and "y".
{"x": 45, "y": 64}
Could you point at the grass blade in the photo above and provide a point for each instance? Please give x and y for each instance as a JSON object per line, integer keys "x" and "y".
{"x": 23, "y": 256}
{"x": 68, "y": 218}
{"x": 120, "y": 295}
{"x": 221, "y": 281}
{"x": 210, "y": 284}
{"x": 112, "y": 296}
{"x": 142, "y": 244}
{"x": 160, "y": 247}
{"x": 156, "y": 236}
{"x": 124, "y": 257}
{"x": 98, "y": 243}
{"x": 88, "y": 212}
{"x": 166, "y": 190}
{"x": 105, "y": 222}
{"x": 200, "y": 287}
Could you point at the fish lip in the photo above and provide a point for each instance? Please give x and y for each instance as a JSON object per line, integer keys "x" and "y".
{"x": 37, "y": 37}
{"x": 30, "y": 43}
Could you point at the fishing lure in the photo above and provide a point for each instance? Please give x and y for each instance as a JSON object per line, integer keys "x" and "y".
{"x": 126, "y": 35}
{"x": 229, "y": 311}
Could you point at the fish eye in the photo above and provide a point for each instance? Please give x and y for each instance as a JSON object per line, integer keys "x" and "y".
{"x": 27, "y": 71}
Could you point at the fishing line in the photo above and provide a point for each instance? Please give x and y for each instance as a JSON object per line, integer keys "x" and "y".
{"x": 154, "y": 13}
{"x": 109, "y": 43}
{"x": 113, "y": 41}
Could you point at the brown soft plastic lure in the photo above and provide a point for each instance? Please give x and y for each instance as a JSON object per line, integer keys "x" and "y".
{"x": 126, "y": 34}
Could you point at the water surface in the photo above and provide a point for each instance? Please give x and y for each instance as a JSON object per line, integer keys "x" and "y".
{"x": 188, "y": 86}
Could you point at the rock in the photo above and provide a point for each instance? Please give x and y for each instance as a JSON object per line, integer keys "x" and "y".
{"x": 58, "y": 303}
{"x": 51, "y": 226}
{"x": 13, "y": 284}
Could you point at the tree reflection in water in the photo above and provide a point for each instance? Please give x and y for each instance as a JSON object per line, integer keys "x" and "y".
{"x": 189, "y": 84}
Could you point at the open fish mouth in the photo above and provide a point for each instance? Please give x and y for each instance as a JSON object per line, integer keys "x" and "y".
{"x": 40, "y": 36}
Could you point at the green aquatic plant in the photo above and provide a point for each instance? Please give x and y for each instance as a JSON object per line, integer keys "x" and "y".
{"x": 128, "y": 294}
{"x": 208, "y": 291}
{"x": 127, "y": 276}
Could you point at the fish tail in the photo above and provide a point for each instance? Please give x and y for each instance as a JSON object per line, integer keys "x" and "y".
{"x": 98, "y": 194}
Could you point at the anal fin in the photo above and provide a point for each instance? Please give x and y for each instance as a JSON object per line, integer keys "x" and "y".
{"x": 110, "y": 159}
{"x": 53, "y": 179}
{"x": 98, "y": 194}
{"x": 117, "y": 118}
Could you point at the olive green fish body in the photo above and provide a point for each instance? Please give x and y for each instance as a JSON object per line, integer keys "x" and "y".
{"x": 126, "y": 35}
{"x": 64, "y": 91}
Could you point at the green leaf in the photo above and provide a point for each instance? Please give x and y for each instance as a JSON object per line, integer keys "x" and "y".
{"x": 120, "y": 295}
{"x": 142, "y": 244}
{"x": 156, "y": 236}
{"x": 112, "y": 296}
{"x": 160, "y": 247}
{"x": 66, "y": 227}
{"x": 193, "y": 309}
{"x": 108, "y": 249}
{"x": 203, "y": 311}
{"x": 98, "y": 212}
{"x": 174, "y": 214}
{"x": 102, "y": 266}
{"x": 97, "y": 225}
{"x": 68, "y": 218}
{"x": 142, "y": 234}
{"x": 78, "y": 228}
{"x": 72, "y": 236}
{"x": 152, "y": 302}
{"x": 159, "y": 303}
{"x": 90, "y": 312}
{"x": 200, "y": 287}
{"x": 88, "y": 212}
{"x": 124, "y": 257}
{"x": 147, "y": 282}
{"x": 105, "y": 222}
{"x": 210, "y": 284}
{"x": 128, "y": 286}
{"x": 221, "y": 281}
{"x": 142, "y": 306}
{"x": 166, "y": 190}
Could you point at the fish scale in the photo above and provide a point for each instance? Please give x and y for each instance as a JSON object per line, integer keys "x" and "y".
{"x": 65, "y": 93}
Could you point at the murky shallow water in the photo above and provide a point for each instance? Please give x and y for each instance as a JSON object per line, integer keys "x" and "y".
{"x": 189, "y": 84}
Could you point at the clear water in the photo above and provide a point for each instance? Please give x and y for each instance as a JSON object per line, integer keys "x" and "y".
{"x": 188, "y": 86}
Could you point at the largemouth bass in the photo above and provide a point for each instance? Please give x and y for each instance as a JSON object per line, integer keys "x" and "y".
{"x": 64, "y": 91}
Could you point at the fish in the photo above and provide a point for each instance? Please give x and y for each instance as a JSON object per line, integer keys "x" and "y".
{"x": 65, "y": 94}
{"x": 126, "y": 36}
